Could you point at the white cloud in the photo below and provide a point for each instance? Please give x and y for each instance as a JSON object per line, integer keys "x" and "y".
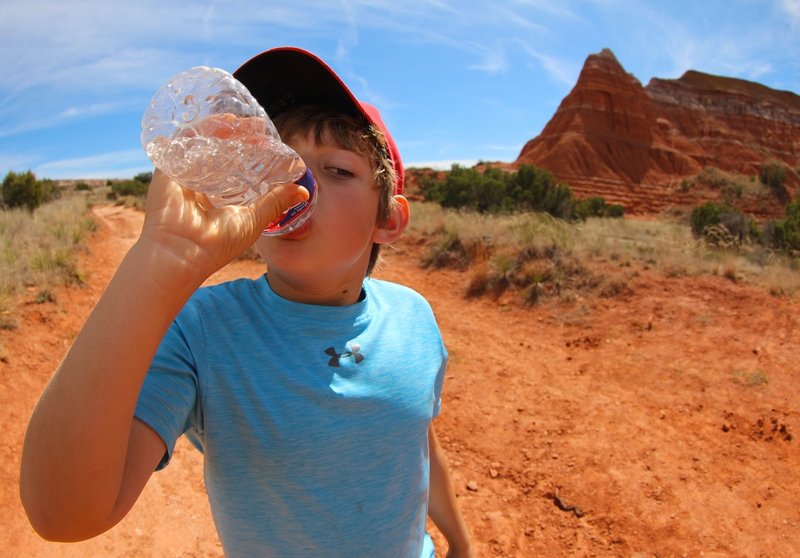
{"x": 93, "y": 109}
{"x": 115, "y": 164}
{"x": 493, "y": 60}
{"x": 556, "y": 9}
{"x": 63, "y": 62}
{"x": 67, "y": 114}
{"x": 117, "y": 43}
{"x": 509, "y": 148}
{"x": 445, "y": 164}
{"x": 560, "y": 71}
{"x": 666, "y": 40}
{"x": 792, "y": 9}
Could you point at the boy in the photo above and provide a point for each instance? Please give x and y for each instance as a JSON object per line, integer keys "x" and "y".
{"x": 310, "y": 391}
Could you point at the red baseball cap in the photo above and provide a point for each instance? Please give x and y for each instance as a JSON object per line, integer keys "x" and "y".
{"x": 286, "y": 77}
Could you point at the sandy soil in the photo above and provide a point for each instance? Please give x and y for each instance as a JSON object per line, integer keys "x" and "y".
{"x": 669, "y": 417}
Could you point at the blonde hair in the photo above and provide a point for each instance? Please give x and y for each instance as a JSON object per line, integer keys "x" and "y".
{"x": 352, "y": 134}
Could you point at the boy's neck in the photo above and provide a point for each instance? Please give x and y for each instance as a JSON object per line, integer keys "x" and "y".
{"x": 328, "y": 294}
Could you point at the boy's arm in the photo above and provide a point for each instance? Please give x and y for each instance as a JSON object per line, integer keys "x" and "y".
{"x": 442, "y": 506}
{"x": 85, "y": 458}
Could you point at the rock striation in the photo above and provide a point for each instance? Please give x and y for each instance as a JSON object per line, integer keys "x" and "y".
{"x": 638, "y": 146}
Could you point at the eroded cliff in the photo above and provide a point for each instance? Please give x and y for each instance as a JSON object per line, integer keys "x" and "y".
{"x": 647, "y": 147}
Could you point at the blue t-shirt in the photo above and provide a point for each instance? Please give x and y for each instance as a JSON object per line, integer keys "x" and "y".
{"x": 313, "y": 419}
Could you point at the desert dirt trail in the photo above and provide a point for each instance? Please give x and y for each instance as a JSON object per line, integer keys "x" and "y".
{"x": 668, "y": 416}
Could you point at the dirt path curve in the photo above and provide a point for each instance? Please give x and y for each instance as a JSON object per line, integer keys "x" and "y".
{"x": 668, "y": 417}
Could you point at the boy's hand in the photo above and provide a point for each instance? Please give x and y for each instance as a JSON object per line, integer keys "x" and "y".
{"x": 199, "y": 238}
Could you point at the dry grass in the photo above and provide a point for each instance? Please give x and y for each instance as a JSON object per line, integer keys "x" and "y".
{"x": 38, "y": 249}
{"x": 732, "y": 185}
{"x": 539, "y": 255}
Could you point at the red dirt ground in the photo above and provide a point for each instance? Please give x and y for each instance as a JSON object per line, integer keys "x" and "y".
{"x": 669, "y": 416}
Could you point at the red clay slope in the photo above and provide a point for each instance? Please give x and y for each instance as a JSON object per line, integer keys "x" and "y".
{"x": 634, "y": 145}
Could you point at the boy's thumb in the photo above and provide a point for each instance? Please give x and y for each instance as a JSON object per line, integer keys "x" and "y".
{"x": 277, "y": 201}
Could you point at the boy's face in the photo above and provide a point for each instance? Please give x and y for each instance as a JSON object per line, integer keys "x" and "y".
{"x": 324, "y": 261}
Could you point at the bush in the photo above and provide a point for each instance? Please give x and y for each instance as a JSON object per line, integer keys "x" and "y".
{"x": 703, "y": 216}
{"x": 136, "y": 187}
{"x": 22, "y": 190}
{"x": 129, "y": 188}
{"x": 50, "y": 190}
{"x": 595, "y": 207}
{"x": 615, "y": 210}
{"x": 786, "y": 233}
{"x": 498, "y": 191}
{"x": 144, "y": 177}
{"x": 532, "y": 188}
{"x": 773, "y": 175}
{"x": 711, "y": 220}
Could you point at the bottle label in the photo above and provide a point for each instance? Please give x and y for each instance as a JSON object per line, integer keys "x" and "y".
{"x": 296, "y": 214}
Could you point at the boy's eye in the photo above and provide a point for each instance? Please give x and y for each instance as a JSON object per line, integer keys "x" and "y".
{"x": 338, "y": 171}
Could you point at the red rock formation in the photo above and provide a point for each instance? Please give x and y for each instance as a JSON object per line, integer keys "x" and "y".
{"x": 634, "y": 145}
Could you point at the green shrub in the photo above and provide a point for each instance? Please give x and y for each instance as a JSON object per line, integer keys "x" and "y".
{"x": 50, "y": 190}
{"x": 82, "y": 186}
{"x": 532, "y": 188}
{"x": 711, "y": 220}
{"x": 703, "y": 216}
{"x": 615, "y": 211}
{"x": 773, "y": 175}
{"x": 786, "y": 233}
{"x": 22, "y": 190}
{"x": 497, "y": 191}
{"x": 584, "y": 208}
{"x": 129, "y": 188}
{"x": 144, "y": 177}
{"x": 135, "y": 187}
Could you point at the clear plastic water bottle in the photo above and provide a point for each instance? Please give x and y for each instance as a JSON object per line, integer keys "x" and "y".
{"x": 206, "y": 131}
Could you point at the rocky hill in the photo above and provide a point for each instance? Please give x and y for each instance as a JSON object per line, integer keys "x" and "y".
{"x": 672, "y": 143}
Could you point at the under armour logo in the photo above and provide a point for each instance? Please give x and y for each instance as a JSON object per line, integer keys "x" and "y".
{"x": 336, "y": 357}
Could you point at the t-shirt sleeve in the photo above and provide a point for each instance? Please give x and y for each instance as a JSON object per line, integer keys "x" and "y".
{"x": 169, "y": 401}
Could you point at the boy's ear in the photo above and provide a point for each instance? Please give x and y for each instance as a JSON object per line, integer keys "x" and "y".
{"x": 397, "y": 223}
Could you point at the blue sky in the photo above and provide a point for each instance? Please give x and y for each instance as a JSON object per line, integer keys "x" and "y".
{"x": 456, "y": 80}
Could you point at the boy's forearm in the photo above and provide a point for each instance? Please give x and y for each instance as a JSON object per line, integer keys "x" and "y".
{"x": 443, "y": 506}
{"x": 76, "y": 444}
{"x": 74, "y": 460}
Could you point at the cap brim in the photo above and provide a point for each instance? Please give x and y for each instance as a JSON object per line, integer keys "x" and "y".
{"x": 285, "y": 77}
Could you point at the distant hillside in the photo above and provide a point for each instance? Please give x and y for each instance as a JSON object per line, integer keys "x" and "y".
{"x": 671, "y": 143}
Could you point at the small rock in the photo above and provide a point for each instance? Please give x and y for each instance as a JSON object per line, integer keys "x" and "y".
{"x": 493, "y": 473}
{"x": 472, "y": 486}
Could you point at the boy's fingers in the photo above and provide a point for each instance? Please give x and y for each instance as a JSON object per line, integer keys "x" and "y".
{"x": 226, "y": 126}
